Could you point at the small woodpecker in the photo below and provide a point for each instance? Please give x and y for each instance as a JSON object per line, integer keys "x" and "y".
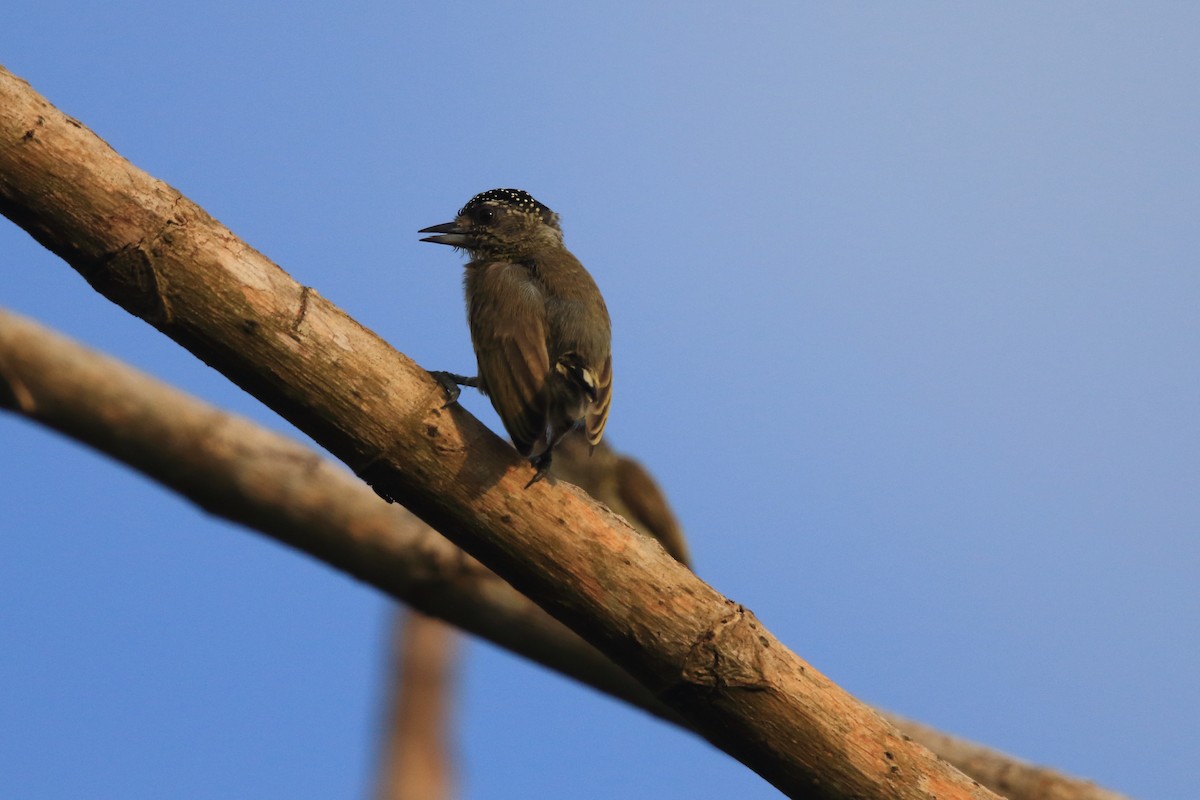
{"x": 539, "y": 326}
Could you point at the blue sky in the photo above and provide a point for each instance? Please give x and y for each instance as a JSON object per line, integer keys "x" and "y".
{"x": 905, "y": 321}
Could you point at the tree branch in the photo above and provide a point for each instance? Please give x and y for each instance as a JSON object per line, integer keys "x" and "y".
{"x": 158, "y": 255}
{"x": 417, "y": 762}
{"x": 1008, "y": 776}
{"x": 254, "y": 477}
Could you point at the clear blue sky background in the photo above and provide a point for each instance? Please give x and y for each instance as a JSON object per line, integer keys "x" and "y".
{"x": 905, "y": 303}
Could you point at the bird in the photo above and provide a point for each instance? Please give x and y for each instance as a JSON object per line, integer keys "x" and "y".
{"x": 539, "y": 326}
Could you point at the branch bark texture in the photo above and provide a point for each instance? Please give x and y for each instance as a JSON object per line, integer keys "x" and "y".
{"x": 158, "y": 255}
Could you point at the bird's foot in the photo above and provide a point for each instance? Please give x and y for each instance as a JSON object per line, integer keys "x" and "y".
{"x": 542, "y": 465}
{"x": 450, "y": 381}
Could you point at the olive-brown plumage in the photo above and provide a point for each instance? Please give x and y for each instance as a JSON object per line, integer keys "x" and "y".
{"x": 539, "y": 326}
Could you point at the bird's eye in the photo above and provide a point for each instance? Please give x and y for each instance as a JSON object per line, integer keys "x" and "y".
{"x": 486, "y": 214}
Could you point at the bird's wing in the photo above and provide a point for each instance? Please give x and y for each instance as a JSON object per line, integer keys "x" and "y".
{"x": 508, "y": 330}
{"x": 648, "y": 507}
{"x": 597, "y": 413}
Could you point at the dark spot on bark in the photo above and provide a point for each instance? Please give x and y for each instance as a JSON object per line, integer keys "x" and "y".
{"x": 302, "y": 312}
{"x": 30, "y": 134}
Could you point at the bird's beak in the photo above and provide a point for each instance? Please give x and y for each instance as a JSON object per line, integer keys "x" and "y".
{"x": 452, "y": 234}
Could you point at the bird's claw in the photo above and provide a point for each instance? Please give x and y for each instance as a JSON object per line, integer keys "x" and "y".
{"x": 542, "y": 465}
{"x": 451, "y": 382}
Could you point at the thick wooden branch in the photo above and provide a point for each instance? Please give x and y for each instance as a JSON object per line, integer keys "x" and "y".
{"x": 254, "y": 477}
{"x": 158, "y": 255}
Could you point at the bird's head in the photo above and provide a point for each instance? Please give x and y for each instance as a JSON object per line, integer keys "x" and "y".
{"x": 499, "y": 223}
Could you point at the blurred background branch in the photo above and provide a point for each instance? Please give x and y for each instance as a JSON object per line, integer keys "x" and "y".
{"x": 417, "y": 759}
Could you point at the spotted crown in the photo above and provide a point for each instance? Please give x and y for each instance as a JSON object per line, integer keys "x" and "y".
{"x": 513, "y": 198}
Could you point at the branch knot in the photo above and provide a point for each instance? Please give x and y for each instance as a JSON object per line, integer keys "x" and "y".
{"x": 729, "y": 654}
